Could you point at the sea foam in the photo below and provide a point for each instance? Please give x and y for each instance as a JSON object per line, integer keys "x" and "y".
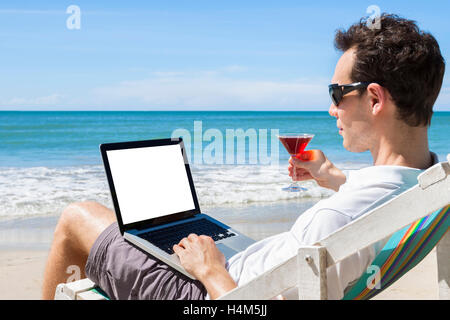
{"x": 40, "y": 191}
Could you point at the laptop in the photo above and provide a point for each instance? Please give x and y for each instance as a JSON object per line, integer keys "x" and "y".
{"x": 155, "y": 200}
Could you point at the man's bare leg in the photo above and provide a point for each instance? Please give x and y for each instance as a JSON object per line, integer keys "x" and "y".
{"x": 78, "y": 227}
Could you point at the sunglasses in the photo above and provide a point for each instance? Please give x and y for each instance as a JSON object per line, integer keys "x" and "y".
{"x": 337, "y": 91}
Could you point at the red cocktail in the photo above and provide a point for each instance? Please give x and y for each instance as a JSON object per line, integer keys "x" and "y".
{"x": 295, "y": 144}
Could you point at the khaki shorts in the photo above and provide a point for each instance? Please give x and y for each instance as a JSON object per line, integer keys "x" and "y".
{"x": 124, "y": 271}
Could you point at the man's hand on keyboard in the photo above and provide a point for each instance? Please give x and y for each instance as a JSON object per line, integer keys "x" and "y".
{"x": 200, "y": 257}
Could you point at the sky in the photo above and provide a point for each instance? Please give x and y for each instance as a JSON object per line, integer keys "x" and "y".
{"x": 185, "y": 55}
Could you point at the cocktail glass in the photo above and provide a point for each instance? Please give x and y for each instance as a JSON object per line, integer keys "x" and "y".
{"x": 295, "y": 144}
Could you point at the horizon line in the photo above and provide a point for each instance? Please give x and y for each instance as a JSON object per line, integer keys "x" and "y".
{"x": 172, "y": 110}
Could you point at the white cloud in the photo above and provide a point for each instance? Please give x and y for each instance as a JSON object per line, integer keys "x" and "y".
{"x": 225, "y": 88}
{"x": 213, "y": 89}
{"x": 50, "y": 100}
{"x": 222, "y": 88}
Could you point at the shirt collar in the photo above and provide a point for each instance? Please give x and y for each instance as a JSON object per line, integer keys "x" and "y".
{"x": 388, "y": 173}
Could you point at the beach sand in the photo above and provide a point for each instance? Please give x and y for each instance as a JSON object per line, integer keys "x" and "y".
{"x": 24, "y": 245}
{"x": 21, "y": 274}
{"x": 22, "y": 270}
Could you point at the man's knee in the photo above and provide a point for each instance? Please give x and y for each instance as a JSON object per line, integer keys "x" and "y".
{"x": 71, "y": 216}
{"x": 86, "y": 211}
{"x": 83, "y": 222}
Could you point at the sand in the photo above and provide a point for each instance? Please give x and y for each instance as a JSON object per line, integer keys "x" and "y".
{"x": 21, "y": 277}
{"x": 21, "y": 273}
{"x": 24, "y": 247}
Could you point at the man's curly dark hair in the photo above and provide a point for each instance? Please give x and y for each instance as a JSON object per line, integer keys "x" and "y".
{"x": 401, "y": 58}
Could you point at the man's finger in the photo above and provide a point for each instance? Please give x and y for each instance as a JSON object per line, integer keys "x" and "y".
{"x": 301, "y": 160}
{"x": 206, "y": 238}
{"x": 297, "y": 163}
{"x": 177, "y": 249}
{"x": 306, "y": 155}
{"x": 301, "y": 176}
{"x": 192, "y": 236}
{"x": 184, "y": 243}
{"x": 301, "y": 171}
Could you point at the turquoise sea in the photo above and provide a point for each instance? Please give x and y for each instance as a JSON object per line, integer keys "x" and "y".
{"x": 49, "y": 159}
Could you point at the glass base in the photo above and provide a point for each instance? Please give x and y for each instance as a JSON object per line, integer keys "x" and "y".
{"x": 294, "y": 188}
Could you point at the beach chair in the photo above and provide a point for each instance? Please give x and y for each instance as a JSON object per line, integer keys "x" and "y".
{"x": 415, "y": 222}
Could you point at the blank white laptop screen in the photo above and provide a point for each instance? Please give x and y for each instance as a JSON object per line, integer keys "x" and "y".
{"x": 150, "y": 182}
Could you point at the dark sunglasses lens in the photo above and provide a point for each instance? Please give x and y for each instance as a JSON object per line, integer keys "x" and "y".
{"x": 334, "y": 94}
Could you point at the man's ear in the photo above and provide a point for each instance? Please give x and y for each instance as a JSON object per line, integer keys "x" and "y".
{"x": 377, "y": 97}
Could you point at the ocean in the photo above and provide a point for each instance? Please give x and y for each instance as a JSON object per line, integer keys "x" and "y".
{"x": 50, "y": 159}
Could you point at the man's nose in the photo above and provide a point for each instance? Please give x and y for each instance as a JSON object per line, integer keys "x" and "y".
{"x": 333, "y": 110}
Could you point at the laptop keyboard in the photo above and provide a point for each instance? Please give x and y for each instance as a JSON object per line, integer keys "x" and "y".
{"x": 166, "y": 238}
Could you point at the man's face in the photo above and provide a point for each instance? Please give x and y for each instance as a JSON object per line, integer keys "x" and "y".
{"x": 353, "y": 113}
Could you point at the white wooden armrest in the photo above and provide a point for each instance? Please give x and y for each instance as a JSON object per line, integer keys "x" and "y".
{"x": 312, "y": 273}
{"x": 267, "y": 285}
{"x": 77, "y": 290}
{"x": 307, "y": 270}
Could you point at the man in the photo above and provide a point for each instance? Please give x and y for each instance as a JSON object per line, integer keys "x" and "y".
{"x": 385, "y": 85}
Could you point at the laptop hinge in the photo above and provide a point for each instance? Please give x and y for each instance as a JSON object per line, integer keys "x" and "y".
{"x": 158, "y": 222}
